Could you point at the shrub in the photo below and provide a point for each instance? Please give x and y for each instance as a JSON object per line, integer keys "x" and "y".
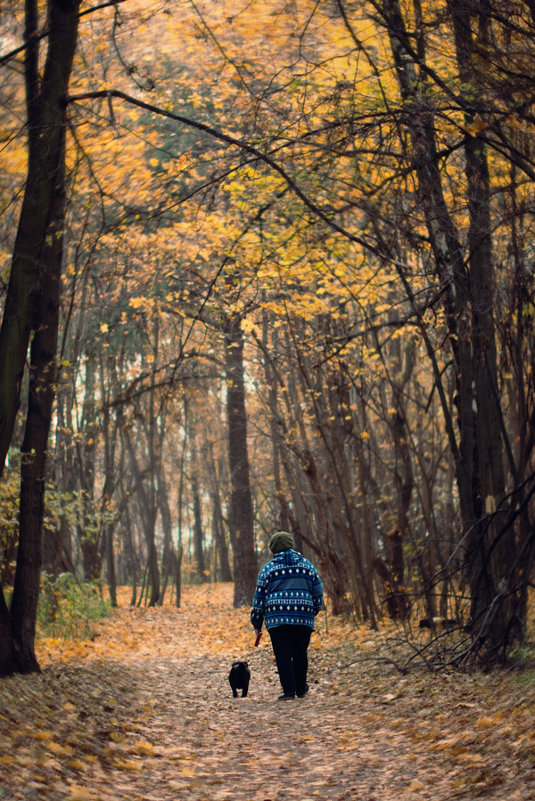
{"x": 9, "y": 521}
{"x": 68, "y": 608}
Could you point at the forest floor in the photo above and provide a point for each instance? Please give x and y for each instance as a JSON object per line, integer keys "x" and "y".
{"x": 144, "y": 712}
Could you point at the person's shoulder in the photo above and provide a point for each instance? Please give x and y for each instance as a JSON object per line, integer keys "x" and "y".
{"x": 307, "y": 564}
{"x": 268, "y": 566}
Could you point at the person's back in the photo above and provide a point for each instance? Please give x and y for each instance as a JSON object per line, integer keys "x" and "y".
{"x": 291, "y": 592}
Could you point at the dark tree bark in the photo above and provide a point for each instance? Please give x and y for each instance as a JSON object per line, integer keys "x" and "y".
{"x": 272, "y": 381}
{"x": 168, "y": 555}
{"x": 90, "y": 536}
{"x": 218, "y": 531}
{"x": 180, "y": 506}
{"x": 178, "y": 576}
{"x": 148, "y": 512}
{"x": 490, "y": 551}
{"x": 146, "y": 467}
{"x": 32, "y": 305}
{"x": 218, "y": 525}
{"x": 110, "y": 563}
{"x": 241, "y": 506}
{"x": 44, "y": 184}
{"x": 42, "y": 380}
{"x": 469, "y": 303}
{"x": 198, "y": 530}
{"x": 110, "y": 435}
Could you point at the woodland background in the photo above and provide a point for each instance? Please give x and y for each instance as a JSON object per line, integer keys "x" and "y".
{"x": 269, "y": 265}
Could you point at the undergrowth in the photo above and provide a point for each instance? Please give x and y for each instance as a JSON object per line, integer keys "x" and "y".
{"x": 69, "y": 608}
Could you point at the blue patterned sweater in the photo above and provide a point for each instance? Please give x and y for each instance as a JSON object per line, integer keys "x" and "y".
{"x": 288, "y": 590}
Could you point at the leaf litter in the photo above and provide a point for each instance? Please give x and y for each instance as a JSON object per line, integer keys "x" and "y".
{"x": 144, "y": 712}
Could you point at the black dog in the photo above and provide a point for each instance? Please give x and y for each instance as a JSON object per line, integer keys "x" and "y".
{"x": 239, "y": 677}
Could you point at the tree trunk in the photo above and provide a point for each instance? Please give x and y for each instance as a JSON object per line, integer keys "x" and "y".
{"x": 198, "y": 531}
{"x": 37, "y": 223}
{"x": 109, "y": 434}
{"x": 469, "y": 304}
{"x": 272, "y": 381}
{"x": 219, "y": 537}
{"x": 29, "y": 556}
{"x": 110, "y": 564}
{"x": 148, "y": 512}
{"x": 90, "y": 534}
{"x": 241, "y": 507}
{"x": 32, "y": 304}
{"x": 168, "y": 555}
{"x": 218, "y": 526}
{"x": 490, "y": 549}
{"x": 178, "y": 576}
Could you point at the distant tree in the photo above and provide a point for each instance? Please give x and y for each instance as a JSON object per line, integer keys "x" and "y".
{"x": 241, "y": 505}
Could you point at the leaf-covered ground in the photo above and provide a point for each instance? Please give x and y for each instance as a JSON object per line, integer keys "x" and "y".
{"x": 144, "y": 712}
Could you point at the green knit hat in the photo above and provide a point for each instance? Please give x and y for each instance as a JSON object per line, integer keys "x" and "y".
{"x": 281, "y": 541}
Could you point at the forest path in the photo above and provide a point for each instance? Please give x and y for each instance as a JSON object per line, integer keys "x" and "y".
{"x": 145, "y": 713}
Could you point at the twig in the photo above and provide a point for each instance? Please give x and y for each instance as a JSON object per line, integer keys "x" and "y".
{"x": 381, "y": 660}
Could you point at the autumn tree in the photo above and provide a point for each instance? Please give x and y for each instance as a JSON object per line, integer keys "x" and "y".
{"x": 32, "y": 307}
{"x": 464, "y": 267}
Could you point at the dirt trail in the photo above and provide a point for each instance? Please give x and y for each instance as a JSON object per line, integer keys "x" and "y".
{"x": 145, "y": 713}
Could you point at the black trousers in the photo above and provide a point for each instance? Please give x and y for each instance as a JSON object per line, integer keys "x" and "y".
{"x": 290, "y": 645}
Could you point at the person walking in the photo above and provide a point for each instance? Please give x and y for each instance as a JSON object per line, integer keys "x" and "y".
{"x": 288, "y": 596}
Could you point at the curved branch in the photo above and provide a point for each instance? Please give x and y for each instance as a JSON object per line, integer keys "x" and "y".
{"x": 228, "y": 139}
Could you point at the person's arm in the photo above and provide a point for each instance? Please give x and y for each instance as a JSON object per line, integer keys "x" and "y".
{"x": 259, "y": 602}
{"x": 317, "y": 592}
